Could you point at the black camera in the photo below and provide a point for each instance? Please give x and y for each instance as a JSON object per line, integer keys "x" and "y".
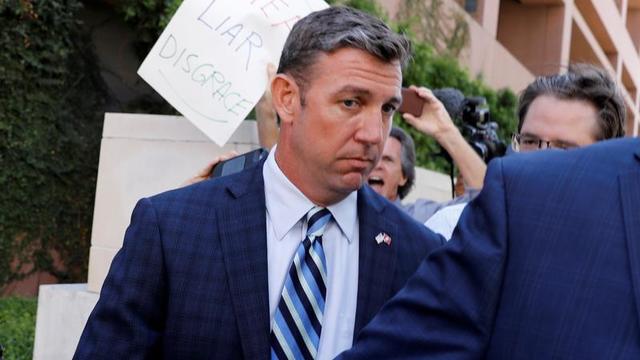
{"x": 481, "y": 133}
{"x": 471, "y": 116}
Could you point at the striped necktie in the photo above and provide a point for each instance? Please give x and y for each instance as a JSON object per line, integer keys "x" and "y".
{"x": 297, "y": 323}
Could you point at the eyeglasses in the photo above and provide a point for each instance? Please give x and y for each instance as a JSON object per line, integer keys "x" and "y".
{"x": 524, "y": 143}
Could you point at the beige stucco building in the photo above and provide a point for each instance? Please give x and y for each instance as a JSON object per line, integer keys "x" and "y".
{"x": 511, "y": 41}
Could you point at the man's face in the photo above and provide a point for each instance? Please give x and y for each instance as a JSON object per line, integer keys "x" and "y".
{"x": 387, "y": 176}
{"x": 336, "y": 137}
{"x": 564, "y": 123}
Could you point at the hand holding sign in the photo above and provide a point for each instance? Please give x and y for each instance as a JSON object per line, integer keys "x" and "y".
{"x": 209, "y": 62}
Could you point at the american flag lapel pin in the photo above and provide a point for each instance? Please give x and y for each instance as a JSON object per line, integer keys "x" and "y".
{"x": 387, "y": 239}
{"x": 383, "y": 238}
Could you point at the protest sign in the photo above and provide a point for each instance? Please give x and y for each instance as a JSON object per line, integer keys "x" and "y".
{"x": 210, "y": 61}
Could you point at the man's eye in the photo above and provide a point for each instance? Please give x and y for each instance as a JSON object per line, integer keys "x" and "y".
{"x": 388, "y": 108}
{"x": 349, "y": 103}
{"x": 530, "y": 141}
{"x": 561, "y": 146}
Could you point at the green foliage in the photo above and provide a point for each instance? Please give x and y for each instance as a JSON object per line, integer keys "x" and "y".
{"x": 17, "y": 327}
{"x": 50, "y": 93}
{"x": 148, "y": 18}
{"x": 432, "y": 22}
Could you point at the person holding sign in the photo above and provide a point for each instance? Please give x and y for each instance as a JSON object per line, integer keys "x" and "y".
{"x": 287, "y": 259}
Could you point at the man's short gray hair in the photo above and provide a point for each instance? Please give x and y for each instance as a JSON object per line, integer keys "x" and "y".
{"x": 335, "y": 28}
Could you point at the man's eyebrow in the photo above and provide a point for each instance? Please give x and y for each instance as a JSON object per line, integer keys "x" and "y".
{"x": 354, "y": 90}
{"x": 565, "y": 143}
{"x": 362, "y": 92}
{"x": 530, "y": 135}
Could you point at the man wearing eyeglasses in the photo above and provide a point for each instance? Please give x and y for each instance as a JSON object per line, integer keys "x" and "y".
{"x": 563, "y": 111}
{"x": 569, "y": 110}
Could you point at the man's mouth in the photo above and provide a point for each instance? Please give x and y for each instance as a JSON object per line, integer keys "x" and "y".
{"x": 359, "y": 164}
{"x": 375, "y": 181}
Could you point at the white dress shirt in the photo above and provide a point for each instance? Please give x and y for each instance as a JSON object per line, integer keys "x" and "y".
{"x": 286, "y": 228}
{"x": 445, "y": 220}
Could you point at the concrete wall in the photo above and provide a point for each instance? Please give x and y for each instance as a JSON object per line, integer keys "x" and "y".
{"x": 142, "y": 155}
{"x": 63, "y": 311}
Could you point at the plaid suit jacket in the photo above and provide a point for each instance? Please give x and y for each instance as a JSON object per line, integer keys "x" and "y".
{"x": 190, "y": 281}
{"x": 544, "y": 264}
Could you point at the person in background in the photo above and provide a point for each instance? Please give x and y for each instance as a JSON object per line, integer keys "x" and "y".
{"x": 394, "y": 176}
{"x": 562, "y": 111}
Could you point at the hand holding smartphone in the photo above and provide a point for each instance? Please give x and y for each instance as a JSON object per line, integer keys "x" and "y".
{"x": 412, "y": 103}
{"x": 238, "y": 163}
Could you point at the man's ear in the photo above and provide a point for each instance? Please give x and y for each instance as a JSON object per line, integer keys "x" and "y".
{"x": 286, "y": 97}
{"x": 403, "y": 180}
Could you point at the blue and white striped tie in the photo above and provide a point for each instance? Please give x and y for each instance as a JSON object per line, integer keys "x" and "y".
{"x": 297, "y": 323}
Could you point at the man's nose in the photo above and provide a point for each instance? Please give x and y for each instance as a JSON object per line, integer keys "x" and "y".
{"x": 371, "y": 128}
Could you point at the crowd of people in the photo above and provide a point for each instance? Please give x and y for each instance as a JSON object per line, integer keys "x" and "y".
{"x": 311, "y": 254}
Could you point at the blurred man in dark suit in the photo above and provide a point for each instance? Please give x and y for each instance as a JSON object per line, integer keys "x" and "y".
{"x": 545, "y": 263}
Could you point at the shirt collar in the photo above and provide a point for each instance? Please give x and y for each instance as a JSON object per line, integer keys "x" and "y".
{"x": 283, "y": 198}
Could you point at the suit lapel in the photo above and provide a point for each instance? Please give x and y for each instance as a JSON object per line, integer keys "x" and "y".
{"x": 377, "y": 262}
{"x": 630, "y": 196}
{"x": 242, "y": 229}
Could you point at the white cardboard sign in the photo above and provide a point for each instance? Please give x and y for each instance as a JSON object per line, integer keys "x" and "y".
{"x": 210, "y": 61}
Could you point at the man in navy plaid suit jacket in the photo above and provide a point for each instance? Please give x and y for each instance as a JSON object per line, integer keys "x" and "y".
{"x": 544, "y": 264}
{"x": 191, "y": 280}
